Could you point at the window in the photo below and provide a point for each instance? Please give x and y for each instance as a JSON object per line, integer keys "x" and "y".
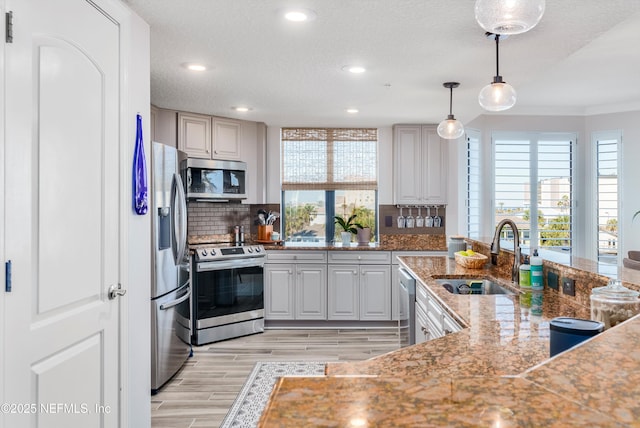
{"x": 327, "y": 172}
{"x": 533, "y": 187}
{"x": 606, "y": 148}
{"x": 473, "y": 184}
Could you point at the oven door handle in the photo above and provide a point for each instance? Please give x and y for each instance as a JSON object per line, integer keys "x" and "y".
{"x": 230, "y": 264}
{"x": 176, "y": 302}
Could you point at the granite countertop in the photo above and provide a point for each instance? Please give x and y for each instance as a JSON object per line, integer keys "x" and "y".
{"x": 495, "y": 372}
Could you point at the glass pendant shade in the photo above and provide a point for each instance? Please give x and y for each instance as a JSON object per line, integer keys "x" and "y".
{"x": 497, "y": 96}
{"x": 450, "y": 128}
{"x": 509, "y": 16}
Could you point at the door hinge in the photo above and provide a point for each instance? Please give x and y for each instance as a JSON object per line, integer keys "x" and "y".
{"x": 8, "y": 22}
{"x": 7, "y": 276}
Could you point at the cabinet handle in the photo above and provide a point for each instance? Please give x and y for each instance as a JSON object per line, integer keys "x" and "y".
{"x": 355, "y": 273}
{"x": 290, "y": 273}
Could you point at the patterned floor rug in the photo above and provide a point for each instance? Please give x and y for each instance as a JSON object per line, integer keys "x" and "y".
{"x": 250, "y": 402}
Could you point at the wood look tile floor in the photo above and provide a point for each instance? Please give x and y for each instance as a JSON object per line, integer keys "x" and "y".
{"x": 202, "y": 392}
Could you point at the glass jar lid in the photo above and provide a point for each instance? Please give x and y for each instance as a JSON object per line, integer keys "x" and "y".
{"x": 615, "y": 290}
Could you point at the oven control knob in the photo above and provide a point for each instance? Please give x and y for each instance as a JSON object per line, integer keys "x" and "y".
{"x": 249, "y": 250}
{"x": 203, "y": 252}
{"x": 257, "y": 249}
{"x": 212, "y": 252}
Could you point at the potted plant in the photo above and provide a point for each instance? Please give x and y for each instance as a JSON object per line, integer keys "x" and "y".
{"x": 364, "y": 234}
{"x": 349, "y": 227}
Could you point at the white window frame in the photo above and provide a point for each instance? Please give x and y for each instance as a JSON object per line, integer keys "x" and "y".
{"x": 593, "y": 224}
{"x": 536, "y": 137}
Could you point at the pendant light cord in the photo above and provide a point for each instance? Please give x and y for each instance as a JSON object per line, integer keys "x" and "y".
{"x": 451, "y": 101}
{"x": 497, "y": 55}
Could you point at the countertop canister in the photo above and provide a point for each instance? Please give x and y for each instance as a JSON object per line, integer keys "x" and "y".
{"x": 455, "y": 244}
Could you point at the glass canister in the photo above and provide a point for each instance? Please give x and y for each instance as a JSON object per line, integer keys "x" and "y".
{"x": 614, "y": 303}
{"x": 455, "y": 244}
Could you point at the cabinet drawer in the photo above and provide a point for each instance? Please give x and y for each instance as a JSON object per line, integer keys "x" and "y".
{"x": 422, "y": 297}
{"x": 449, "y": 325}
{"x": 279, "y": 256}
{"x": 361, "y": 257}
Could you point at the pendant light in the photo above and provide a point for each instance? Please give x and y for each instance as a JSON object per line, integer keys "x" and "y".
{"x": 509, "y": 16}
{"x": 498, "y": 95}
{"x": 450, "y": 128}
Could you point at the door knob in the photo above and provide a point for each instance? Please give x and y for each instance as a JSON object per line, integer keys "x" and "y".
{"x": 115, "y": 291}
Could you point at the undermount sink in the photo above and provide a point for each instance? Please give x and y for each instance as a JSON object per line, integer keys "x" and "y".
{"x": 473, "y": 286}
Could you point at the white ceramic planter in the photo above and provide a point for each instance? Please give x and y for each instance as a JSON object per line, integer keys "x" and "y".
{"x": 346, "y": 238}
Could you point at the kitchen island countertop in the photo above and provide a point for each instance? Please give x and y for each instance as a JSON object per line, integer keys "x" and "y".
{"x": 495, "y": 372}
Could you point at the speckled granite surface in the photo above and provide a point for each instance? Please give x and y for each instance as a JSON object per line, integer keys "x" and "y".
{"x": 495, "y": 372}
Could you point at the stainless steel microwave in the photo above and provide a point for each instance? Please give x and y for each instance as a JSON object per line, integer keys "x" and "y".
{"x": 215, "y": 180}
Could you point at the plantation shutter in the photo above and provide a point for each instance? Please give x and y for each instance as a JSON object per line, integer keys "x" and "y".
{"x": 329, "y": 158}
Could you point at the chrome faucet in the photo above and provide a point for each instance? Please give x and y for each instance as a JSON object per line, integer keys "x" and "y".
{"x": 495, "y": 247}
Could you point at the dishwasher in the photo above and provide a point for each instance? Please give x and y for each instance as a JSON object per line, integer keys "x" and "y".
{"x": 406, "y": 308}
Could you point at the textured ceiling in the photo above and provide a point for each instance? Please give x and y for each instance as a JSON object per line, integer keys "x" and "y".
{"x": 583, "y": 58}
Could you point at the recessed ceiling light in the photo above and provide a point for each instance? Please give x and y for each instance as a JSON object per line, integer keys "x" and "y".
{"x": 194, "y": 66}
{"x": 355, "y": 69}
{"x": 298, "y": 15}
{"x": 241, "y": 109}
{"x": 352, "y": 110}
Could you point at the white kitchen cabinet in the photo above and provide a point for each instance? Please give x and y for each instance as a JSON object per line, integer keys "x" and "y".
{"x": 375, "y": 292}
{"x": 311, "y": 292}
{"x": 359, "y": 285}
{"x": 279, "y": 291}
{"x": 295, "y": 284}
{"x": 162, "y": 124}
{"x": 206, "y": 137}
{"x": 420, "y": 159}
{"x": 436, "y": 321}
{"x": 226, "y": 139}
{"x": 194, "y": 135}
{"x": 343, "y": 292}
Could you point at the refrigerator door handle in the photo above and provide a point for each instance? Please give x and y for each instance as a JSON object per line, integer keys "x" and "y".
{"x": 176, "y": 302}
{"x": 179, "y": 213}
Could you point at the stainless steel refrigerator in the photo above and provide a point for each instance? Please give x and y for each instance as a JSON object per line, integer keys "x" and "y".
{"x": 170, "y": 285}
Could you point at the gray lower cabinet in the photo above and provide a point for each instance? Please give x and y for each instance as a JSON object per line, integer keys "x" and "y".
{"x": 279, "y": 291}
{"x": 295, "y": 285}
{"x": 432, "y": 320}
{"x": 359, "y": 285}
{"x": 311, "y": 292}
{"x": 328, "y": 285}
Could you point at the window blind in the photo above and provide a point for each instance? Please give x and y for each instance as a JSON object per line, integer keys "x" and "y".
{"x": 329, "y": 158}
{"x": 534, "y": 188}
{"x": 473, "y": 185}
{"x": 607, "y": 197}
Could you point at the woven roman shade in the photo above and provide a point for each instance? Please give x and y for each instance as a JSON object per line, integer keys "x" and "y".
{"x": 329, "y": 158}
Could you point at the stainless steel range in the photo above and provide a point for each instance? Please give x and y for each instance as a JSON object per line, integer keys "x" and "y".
{"x": 228, "y": 292}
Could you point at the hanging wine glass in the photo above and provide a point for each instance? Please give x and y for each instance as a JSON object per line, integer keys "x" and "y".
{"x": 419, "y": 218}
{"x": 437, "y": 220}
{"x": 410, "y": 221}
{"x": 400, "y": 220}
{"x": 429, "y": 219}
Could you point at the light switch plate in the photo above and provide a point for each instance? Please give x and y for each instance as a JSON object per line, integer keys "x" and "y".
{"x": 568, "y": 286}
{"x": 552, "y": 280}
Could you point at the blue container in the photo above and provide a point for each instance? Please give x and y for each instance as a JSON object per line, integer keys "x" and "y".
{"x": 568, "y": 332}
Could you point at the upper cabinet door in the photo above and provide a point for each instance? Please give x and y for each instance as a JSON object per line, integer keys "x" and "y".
{"x": 226, "y": 139}
{"x": 194, "y": 135}
{"x": 434, "y": 167}
{"x": 420, "y": 159}
{"x": 407, "y": 153}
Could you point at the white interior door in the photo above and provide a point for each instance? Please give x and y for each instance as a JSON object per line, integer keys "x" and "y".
{"x": 61, "y": 346}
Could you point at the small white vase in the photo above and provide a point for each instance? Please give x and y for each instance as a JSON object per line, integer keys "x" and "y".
{"x": 346, "y": 238}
